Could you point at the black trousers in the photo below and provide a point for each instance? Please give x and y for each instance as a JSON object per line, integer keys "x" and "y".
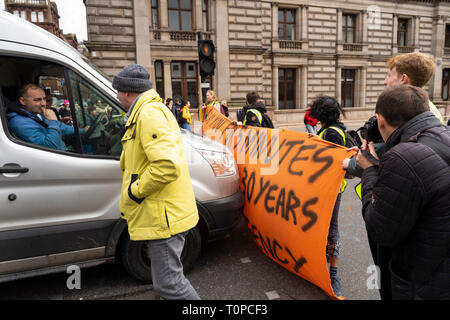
{"x": 381, "y": 257}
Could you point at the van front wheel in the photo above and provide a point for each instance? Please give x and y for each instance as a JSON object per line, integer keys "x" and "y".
{"x": 136, "y": 261}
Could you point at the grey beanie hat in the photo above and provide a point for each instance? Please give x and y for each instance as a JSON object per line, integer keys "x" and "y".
{"x": 132, "y": 78}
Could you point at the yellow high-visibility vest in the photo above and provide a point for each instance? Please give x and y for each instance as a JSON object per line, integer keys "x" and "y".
{"x": 342, "y": 133}
{"x": 256, "y": 113}
{"x": 358, "y": 190}
{"x": 435, "y": 111}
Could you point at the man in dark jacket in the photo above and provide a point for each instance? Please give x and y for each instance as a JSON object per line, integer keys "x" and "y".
{"x": 406, "y": 199}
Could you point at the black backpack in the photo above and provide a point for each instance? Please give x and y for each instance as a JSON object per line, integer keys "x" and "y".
{"x": 351, "y": 137}
{"x": 266, "y": 121}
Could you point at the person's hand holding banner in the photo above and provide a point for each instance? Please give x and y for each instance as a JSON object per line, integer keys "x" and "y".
{"x": 290, "y": 182}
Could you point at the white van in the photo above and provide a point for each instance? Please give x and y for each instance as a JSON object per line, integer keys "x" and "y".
{"x": 60, "y": 207}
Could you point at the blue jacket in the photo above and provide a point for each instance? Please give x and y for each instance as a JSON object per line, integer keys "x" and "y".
{"x": 27, "y": 129}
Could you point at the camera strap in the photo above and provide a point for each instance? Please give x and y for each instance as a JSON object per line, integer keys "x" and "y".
{"x": 370, "y": 157}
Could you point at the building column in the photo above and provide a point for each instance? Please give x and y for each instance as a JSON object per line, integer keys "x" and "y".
{"x": 298, "y": 23}
{"x": 274, "y": 20}
{"x": 142, "y": 34}
{"x": 304, "y": 87}
{"x": 339, "y": 45}
{"x": 394, "y": 34}
{"x": 338, "y": 83}
{"x": 435, "y": 88}
{"x": 362, "y": 87}
{"x": 365, "y": 27}
{"x": 275, "y": 87}
{"x": 416, "y": 43}
{"x": 167, "y": 78}
{"x": 164, "y": 20}
{"x": 222, "y": 51}
{"x": 198, "y": 26}
{"x": 304, "y": 27}
{"x": 298, "y": 87}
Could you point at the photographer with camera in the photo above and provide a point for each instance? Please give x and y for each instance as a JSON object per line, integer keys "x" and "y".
{"x": 328, "y": 111}
{"x": 414, "y": 69}
{"x": 405, "y": 198}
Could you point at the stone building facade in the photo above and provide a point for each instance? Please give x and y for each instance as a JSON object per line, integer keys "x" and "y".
{"x": 288, "y": 51}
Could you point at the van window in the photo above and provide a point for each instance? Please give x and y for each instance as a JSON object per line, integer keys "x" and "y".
{"x": 94, "y": 121}
{"x": 101, "y": 114}
{"x": 31, "y": 126}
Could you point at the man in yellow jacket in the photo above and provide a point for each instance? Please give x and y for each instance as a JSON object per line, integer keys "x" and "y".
{"x": 157, "y": 199}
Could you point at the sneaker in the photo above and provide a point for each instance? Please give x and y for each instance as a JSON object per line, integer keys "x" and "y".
{"x": 336, "y": 285}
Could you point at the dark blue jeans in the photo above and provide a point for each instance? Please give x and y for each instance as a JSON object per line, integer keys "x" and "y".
{"x": 186, "y": 126}
{"x": 334, "y": 241}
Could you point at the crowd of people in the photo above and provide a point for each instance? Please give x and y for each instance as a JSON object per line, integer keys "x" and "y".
{"x": 405, "y": 179}
{"x": 181, "y": 109}
{"x": 253, "y": 113}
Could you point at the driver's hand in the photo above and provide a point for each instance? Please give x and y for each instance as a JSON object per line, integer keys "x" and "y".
{"x": 49, "y": 114}
{"x": 86, "y": 128}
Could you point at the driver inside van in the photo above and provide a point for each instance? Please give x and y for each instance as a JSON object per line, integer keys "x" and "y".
{"x": 32, "y": 122}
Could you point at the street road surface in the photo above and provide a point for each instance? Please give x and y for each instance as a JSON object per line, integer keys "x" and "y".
{"x": 230, "y": 269}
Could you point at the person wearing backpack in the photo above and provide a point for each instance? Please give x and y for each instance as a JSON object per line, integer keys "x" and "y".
{"x": 405, "y": 197}
{"x": 255, "y": 113}
{"x": 328, "y": 111}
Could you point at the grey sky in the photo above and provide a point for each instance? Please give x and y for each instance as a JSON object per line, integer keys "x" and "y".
{"x": 72, "y": 17}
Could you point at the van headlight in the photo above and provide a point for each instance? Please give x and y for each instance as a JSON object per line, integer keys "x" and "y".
{"x": 222, "y": 163}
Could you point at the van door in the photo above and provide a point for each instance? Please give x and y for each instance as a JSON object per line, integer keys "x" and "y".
{"x": 62, "y": 203}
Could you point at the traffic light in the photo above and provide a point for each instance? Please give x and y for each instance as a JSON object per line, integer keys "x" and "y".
{"x": 206, "y": 57}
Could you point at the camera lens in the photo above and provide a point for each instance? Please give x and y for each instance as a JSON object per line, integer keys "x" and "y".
{"x": 364, "y": 133}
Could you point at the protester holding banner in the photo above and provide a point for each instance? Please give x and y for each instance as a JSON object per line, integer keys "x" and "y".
{"x": 211, "y": 100}
{"x": 290, "y": 181}
{"x": 327, "y": 111}
{"x": 224, "y": 108}
{"x": 405, "y": 197}
{"x": 254, "y": 113}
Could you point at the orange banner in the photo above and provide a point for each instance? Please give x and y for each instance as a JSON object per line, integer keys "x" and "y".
{"x": 290, "y": 182}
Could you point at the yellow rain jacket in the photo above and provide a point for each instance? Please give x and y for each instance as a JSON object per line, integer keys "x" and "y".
{"x": 157, "y": 198}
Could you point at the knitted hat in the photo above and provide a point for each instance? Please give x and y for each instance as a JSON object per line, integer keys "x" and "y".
{"x": 132, "y": 78}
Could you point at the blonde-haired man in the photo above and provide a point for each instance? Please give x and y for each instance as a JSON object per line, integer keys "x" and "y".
{"x": 413, "y": 68}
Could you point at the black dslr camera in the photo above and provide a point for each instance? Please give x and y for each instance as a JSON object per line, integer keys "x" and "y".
{"x": 369, "y": 131}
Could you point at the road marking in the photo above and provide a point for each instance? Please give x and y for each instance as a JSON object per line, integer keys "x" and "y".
{"x": 272, "y": 295}
{"x": 246, "y": 260}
